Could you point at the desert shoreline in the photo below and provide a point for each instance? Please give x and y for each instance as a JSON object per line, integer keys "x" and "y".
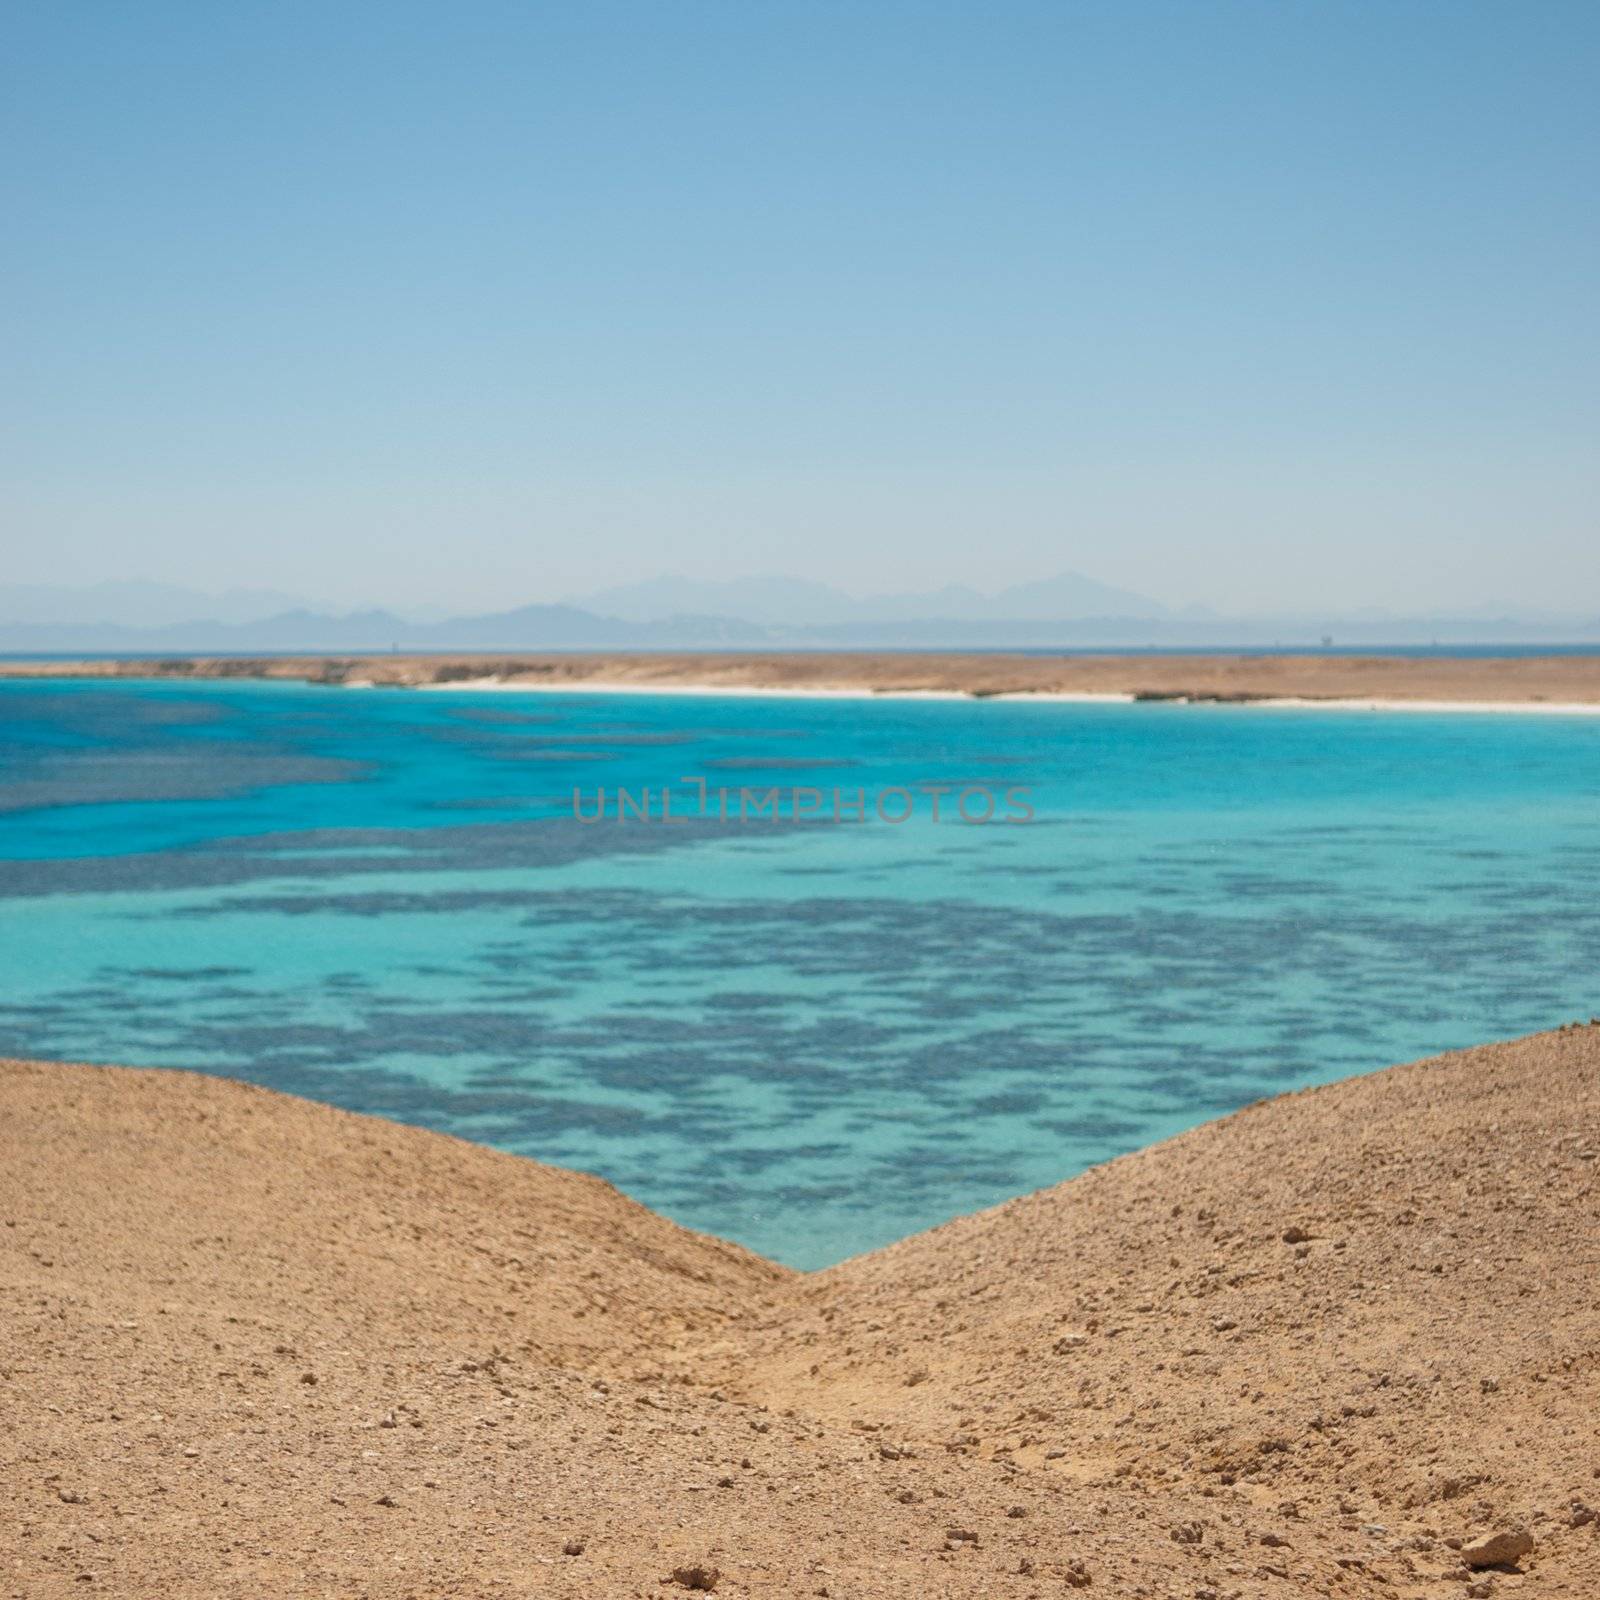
{"x": 1559, "y": 685}
{"x": 256, "y": 1344}
{"x": 1570, "y": 708}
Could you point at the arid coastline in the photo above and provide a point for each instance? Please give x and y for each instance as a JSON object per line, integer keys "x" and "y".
{"x": 1550, "y": 682}
{"x": 1341, "y": 1343}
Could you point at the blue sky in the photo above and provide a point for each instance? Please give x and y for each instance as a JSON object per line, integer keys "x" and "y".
{"x": 1262, "y": 306}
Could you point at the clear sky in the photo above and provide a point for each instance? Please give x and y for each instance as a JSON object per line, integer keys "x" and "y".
{"x": 1277, "y": 305}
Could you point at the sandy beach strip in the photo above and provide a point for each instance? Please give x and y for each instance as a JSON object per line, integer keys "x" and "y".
{"x": 1571, "y": 708}
{"x": 1548, "y": 685}
{"x": 756, "y": 691}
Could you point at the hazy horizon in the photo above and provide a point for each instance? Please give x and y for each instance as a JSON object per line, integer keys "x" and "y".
{"x": 1269, "y": 310}
{"x": 772, "y": 605}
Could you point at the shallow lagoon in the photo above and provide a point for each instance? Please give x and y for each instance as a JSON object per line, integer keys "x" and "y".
{"x": 811, "y": 1037}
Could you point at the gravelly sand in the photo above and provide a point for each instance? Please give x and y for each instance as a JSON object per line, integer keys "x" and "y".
{"x": 255, "y": 1346}
{"x": 1525, "y": 680}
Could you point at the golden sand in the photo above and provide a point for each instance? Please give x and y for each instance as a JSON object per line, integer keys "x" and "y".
{"x": 1334, "y": 1345}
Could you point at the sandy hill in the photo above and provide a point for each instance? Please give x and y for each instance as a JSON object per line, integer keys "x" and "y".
{"x": 1328, "y": 1346}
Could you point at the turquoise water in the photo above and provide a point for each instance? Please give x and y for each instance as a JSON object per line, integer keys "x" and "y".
{"x": 810, "y": 1036}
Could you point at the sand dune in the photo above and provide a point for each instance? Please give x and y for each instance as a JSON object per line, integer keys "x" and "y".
{"x": 251, "y": 1345}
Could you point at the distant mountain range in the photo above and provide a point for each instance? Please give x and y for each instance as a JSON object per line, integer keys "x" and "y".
{"x": 792, "y": 602}
{"x": 681, "y": 613}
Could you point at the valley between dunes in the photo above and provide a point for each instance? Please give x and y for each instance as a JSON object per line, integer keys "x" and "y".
{"x": 254, "y": 1346}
